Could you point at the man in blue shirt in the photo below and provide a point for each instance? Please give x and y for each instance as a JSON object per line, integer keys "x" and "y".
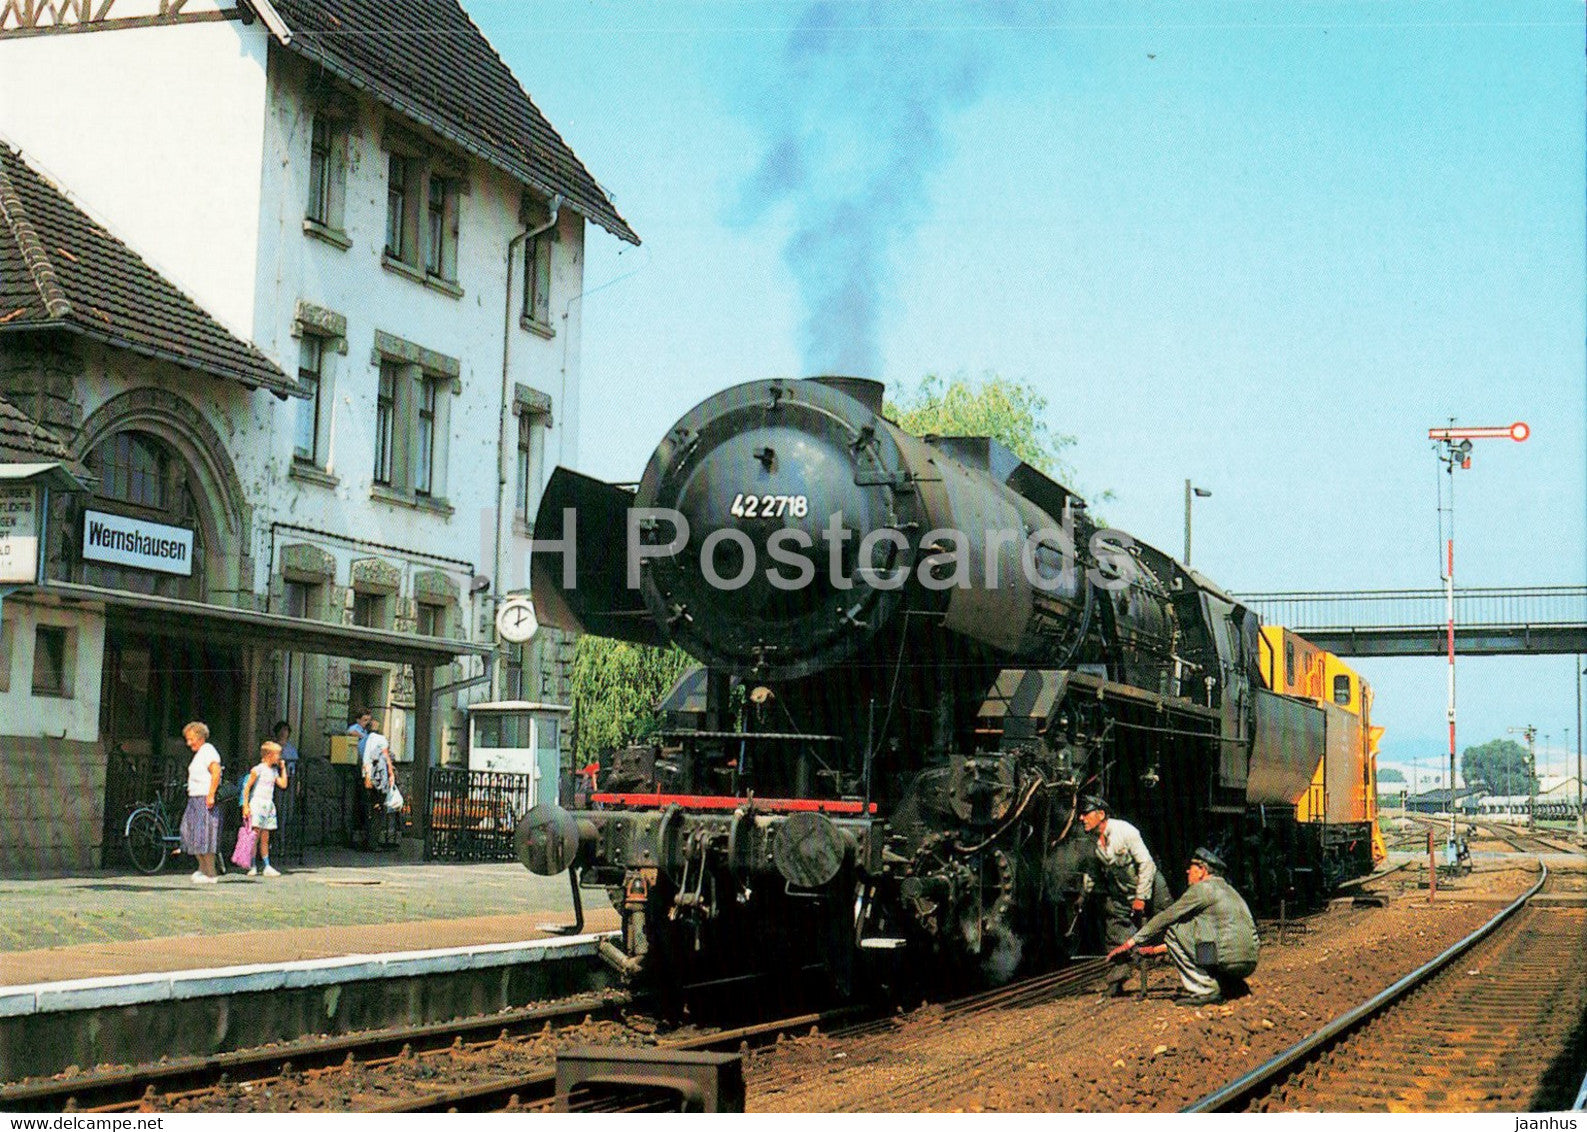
{"x": 361, "y": 729}
{"x": 363, "y": 830}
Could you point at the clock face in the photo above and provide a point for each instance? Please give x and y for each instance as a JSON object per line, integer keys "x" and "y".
{"x": 516, "y": 621}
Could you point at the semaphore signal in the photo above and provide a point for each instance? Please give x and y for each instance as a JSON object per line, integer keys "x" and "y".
{"x": 1454, "y": 451}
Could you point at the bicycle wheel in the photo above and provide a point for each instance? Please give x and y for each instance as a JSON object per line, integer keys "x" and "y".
{"x": 146, "y": 842}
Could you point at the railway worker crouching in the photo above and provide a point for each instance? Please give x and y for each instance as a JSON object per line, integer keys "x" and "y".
{"x": 1131, "y": 882}
{"x": 1209, "y": 933}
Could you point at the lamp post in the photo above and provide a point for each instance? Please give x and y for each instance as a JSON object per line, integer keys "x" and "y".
{"x": 1453, "y": 446}
{"x": 1191, "y": 493}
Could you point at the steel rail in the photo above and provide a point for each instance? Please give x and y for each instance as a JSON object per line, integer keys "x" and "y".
{"x": 1264, "y": 1075}
{"x": 540, "y": 1087}
{"x": 537, "y": 1089}
{"x": 130, "y": 1086}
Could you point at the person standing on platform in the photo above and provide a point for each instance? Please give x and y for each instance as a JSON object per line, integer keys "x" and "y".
{"x": 1131, "y": 882}
{"x": 201, "y": 819}
{"x": 359, "y": 729}
{"x": 379, "y": 776}
{"x": 289, "y": 763}
{"x": 259, "y": 807}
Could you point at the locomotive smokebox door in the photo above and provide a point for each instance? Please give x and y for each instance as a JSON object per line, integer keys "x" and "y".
{"x": 809, "y": 850}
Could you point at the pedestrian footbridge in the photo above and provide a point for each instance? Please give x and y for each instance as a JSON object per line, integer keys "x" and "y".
{"x": 1495, "y": 621}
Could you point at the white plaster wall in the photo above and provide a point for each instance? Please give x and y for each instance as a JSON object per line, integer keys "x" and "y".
{"x": 191, "y": 143}
{"x": 74, "y": 718}
{"x": 295, "y": 266}
{"x": 157, "y": 133}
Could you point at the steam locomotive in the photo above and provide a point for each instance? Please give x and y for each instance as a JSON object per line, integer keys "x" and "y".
{"x": 915, "y": 655}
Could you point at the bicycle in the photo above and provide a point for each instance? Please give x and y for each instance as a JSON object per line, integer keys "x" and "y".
{"x": 152, "y": 838}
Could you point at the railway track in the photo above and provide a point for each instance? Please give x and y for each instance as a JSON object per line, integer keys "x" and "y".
{"x": 1520, "y": 839}
{"x": 1498, "y": 1022}
{"x": 122, "y": 1090}
{"x": 857, "y": 1027}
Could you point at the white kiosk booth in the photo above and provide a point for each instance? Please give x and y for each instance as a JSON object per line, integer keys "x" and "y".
{"x": 519, "y": 737}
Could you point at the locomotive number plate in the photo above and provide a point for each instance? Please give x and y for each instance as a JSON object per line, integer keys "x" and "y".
{"x": 769, "y": 506}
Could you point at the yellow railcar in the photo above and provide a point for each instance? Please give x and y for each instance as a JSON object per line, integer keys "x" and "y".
{"x": 1341, "y": 803}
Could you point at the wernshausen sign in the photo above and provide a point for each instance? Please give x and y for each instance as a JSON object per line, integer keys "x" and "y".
{"x": 137, "y": 542}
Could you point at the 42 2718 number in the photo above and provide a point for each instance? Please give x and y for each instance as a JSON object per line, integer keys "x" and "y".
{"x": 769, "y": 506}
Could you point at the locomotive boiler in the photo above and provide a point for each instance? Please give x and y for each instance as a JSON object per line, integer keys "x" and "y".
{"x": 915, "y": 654}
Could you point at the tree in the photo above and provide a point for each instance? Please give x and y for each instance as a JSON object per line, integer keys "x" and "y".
{"x": 616, "y": 686}
{"x": 1503, "y": 765}
{"x": 1389, "y": 774}
{"x": 1010, "y": 412}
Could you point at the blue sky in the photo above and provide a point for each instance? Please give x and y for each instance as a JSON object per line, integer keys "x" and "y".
{"x": 1262, "y": 245}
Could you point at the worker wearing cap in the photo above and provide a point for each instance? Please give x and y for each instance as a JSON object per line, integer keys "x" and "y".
{"x": 1209, "y": 932}
{"x": 1131, "y": 882}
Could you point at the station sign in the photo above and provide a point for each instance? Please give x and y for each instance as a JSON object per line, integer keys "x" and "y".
{"x": 19, "y": 533}
{"x": 125, "y": 541}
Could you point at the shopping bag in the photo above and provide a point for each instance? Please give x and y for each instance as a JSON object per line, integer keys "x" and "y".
{"x": 393, "y": 800}
{"x": 247, "y": 837}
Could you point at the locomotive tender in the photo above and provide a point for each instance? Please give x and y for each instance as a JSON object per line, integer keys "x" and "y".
{"x": 916, "y": 654}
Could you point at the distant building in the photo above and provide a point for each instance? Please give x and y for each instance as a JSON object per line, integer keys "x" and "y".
{"x": 298, "y": 290}
{"x": 1467, "y": 799}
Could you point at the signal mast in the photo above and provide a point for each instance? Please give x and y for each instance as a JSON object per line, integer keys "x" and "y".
{"x": 1453, "y": 446}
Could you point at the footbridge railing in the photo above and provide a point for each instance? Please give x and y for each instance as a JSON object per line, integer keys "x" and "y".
{"x": 1488, "y": 620}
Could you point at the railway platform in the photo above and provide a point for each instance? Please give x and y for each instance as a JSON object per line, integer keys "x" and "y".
{"x": 109, "y": 924}
{"x": 108, "y": 968}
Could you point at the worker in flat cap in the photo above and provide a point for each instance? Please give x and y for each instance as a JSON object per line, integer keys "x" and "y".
{"x": 1209, "y": 933}
{"x": 1132, "y": 885}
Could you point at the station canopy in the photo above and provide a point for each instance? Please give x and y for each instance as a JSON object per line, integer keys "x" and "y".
{"x": 221, "y": 624}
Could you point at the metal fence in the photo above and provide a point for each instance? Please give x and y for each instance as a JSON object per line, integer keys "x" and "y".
{"x": 473, "y": 814}
{"x": 1415, "y": 609}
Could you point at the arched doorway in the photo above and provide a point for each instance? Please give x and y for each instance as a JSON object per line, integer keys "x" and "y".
{"x": 158, "y": 466}
{"x": 141, "y": 476}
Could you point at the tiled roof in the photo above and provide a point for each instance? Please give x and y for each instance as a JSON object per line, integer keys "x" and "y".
{"x": 427, "y": 60}
{"x": 60, "y": 269}
{"x": 24, "y": 442}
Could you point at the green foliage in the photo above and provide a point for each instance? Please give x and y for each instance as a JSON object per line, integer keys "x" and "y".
{"x": 615, "y": 687}
{"x": 1503, "y": 764}
{"x": 1389, "y": 774}
{"x": 1010, "y": 412}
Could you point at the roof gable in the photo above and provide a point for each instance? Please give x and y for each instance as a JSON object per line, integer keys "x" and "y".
{"x": 426, "y": 59}
{"x": 60, "y": 269}
{"x": 23, "y": 441}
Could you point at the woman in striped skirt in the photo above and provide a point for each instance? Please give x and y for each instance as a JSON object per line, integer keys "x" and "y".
{"x": 201, "y": 819}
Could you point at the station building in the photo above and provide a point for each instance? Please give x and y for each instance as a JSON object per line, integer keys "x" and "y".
{"x": 294, "y": 294}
